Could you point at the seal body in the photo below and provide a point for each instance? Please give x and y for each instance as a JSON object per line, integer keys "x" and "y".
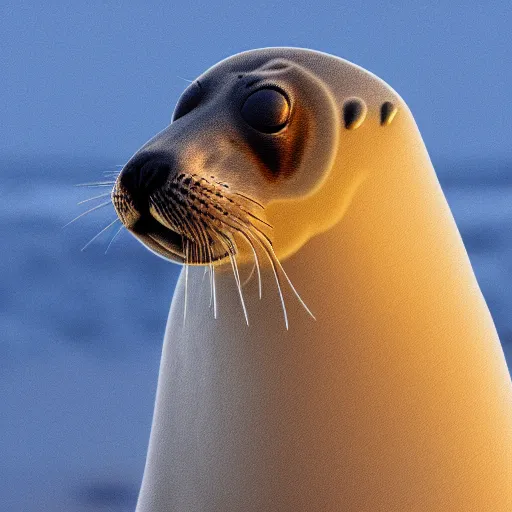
{"x": 397, "y": 397}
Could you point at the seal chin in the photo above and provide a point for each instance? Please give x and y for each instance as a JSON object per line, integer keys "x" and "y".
{"x": 159, "y": 238}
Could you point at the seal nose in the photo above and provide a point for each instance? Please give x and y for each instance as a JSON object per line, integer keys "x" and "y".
{"x": 144, "y": 174}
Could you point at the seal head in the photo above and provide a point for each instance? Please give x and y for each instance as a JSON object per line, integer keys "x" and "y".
{"x": 249, "y": 132}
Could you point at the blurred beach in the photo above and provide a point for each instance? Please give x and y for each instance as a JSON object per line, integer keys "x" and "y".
{"x": 81, "y": 332}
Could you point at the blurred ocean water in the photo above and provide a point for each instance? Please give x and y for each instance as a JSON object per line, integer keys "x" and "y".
{"x": 81, "y": 332}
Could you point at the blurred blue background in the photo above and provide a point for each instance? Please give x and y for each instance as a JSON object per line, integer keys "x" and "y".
{"x": 83, "y": 86}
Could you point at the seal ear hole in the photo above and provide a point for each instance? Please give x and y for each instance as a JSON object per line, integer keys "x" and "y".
{"x": 388, "y": 112}
{"x": 354, "y": 113}
{"x": 266, "y": 110}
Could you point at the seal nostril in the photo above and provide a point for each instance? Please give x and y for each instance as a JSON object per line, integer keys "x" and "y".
{"x": 144, "y": 174}
{"x": 153, "y": 175}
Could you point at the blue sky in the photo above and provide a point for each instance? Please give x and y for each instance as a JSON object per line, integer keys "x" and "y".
{"x": 100, "y": 78}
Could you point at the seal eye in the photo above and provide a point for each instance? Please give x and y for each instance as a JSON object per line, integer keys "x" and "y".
{"x": 266, "y": 110}
{"x": 188, "y": 100}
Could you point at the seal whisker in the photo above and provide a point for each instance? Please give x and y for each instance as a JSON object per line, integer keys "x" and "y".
{"x": 261, "y": 233}
{"x": 98, "y": 234}
{"x": 186, "y": 285}
{"x": 196, "y": 228}
{"x": 232, "y": 257}
{"x": 210, "y": 265}
{"x": 199, "y": 230}
{"x": 202, "y": 241}
{"x": 274, "y": 261}
{"x": 272, "y": 255}
{"x": 110, "y": 185}
{"x": 245, "y": 210}
{"x": 256, "y": 264}
{"x": 192, "y": 229}
{"x": 211, "y": 284}
{"x": 113, "y": 238}
{"x": 241, "y": 208}
{"x": 251, "y": 273}
{"x": 177, "y": 217}
{"x": 244, "y": 223}
{"x": 202, "y": 225}
{"x": 279, "y": 286}
{"x": 167, "y": 214}
{"x": 240, "y": 230}
{"x": 214, "y": 291}
{"x": 257, "y": 218}
{"x": 238, "y": 206}
{"x": 85, "y": 213}
{"x": 95, "y": 197}
{"x": 249, "y": 199}
{"x": 239, "y": 287}
{"x": 96, "y": 183}
{"x": 198, "y": 245}
{"x": 204, "y": 231}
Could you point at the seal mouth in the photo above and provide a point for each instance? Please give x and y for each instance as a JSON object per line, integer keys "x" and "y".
{"x": 159, "y": 238}
{"x": 173, "y": 245}
{"x": 190, "y": 219}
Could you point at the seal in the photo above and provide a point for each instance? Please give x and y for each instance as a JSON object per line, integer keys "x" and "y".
{"x": 397, "y": 397}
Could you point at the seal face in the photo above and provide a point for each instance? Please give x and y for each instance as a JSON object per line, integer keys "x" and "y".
{"x": 196, "y": 193}
{"x": 264, "y": 151}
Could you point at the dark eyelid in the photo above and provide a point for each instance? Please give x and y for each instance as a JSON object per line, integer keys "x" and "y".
{"x": 195, "y": 92}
